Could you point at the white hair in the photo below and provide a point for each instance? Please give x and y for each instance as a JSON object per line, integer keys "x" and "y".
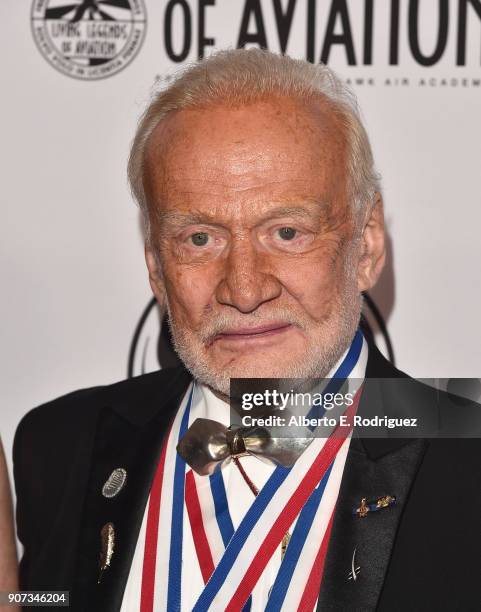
{"x": 242, "y": 76}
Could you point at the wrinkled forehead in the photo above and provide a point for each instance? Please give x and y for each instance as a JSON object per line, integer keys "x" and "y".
{"x": 274, "y": 145}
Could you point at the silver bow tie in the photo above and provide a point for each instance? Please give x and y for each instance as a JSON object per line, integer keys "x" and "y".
{"x": 208, "y": 443}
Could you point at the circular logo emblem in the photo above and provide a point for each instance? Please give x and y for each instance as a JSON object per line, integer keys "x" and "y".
{"x": 89, "y": 39}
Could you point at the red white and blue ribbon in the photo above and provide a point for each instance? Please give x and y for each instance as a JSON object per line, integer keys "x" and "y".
{"x": 232, "y": 564}
{"x": 166, "y": 510}
{"x": 271, "y": 514}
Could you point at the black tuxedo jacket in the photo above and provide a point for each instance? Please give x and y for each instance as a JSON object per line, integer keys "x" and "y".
{"x": 423, "y": 553}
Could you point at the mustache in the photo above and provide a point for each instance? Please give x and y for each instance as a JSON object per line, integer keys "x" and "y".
{"x": 221, "y": 322}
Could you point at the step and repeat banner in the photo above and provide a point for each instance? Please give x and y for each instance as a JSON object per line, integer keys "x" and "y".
{"x": 76, "y": 74}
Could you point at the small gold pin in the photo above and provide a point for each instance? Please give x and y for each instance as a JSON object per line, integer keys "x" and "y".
{"x": 285, "y": 543}
{"x": 363, "y": 508}
{"x": 107, "y": 546}
{"x": 384, "y": 502}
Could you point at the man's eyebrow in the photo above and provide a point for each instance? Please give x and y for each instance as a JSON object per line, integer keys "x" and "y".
{"x": 175, "y": 220}
{"x": 295, "y": 211}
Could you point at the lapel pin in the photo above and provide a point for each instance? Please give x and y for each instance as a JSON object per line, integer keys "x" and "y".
{"x": 107, "y": 546}
{"x": 363, "y": 508}
{"x": 385, "y": 502}
{"x": 285, "y": 543}
{"x": 354, "y": 572}
{"x": 114, "y": 483}
{"x": 373, "y": 506}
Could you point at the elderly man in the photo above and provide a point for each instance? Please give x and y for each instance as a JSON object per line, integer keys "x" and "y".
{"x": 264, "y": 225}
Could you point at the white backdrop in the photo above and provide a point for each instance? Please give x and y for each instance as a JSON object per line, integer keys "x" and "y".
{"x": 73, "y": 277}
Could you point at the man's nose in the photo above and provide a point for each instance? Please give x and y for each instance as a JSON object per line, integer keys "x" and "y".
{"x": 247, "y": 281}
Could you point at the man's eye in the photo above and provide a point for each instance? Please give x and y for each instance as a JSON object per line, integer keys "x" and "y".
{"x": 200, "y": 238}
{"x": 287, "y": 233}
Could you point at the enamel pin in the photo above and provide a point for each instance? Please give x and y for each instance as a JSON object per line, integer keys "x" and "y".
{"x": 354, "y": 572}
{"x": 285, "y": 543}
{"x": 107, "y": 546}
{"x": 114, "y": 483}
{"x": 363, "y": 508}
{"x": 373, "y": 506}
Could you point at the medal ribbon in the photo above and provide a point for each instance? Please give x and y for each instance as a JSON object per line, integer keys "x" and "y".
{"x": 281, "y": 524}
{"x": 151, "y": 537}
{"x": 296, "y": 543}
{"x": 311, "y": 592}
{"x": 152, "y": 530}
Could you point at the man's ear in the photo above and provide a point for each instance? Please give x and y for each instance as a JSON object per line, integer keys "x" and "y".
{"x": 373, "y": 249}
{"x": 155, "y": 275}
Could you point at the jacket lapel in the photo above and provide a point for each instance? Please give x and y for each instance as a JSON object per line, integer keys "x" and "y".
{"x": 375, "y": 467}
{"x": 129, "y": 435}
{"x": 371, "y": 537}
